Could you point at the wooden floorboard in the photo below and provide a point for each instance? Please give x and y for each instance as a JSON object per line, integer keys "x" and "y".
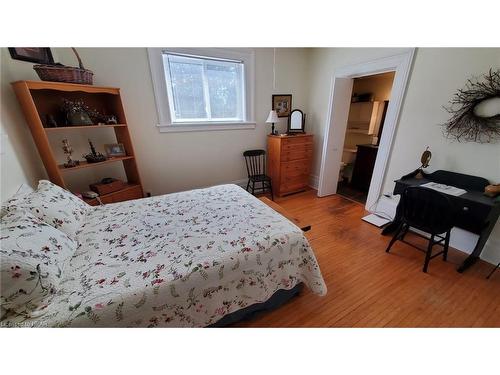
{"x": 369, "y": 288}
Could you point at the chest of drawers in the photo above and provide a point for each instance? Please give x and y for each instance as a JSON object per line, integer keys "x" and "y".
{"x": 289, "y": 162}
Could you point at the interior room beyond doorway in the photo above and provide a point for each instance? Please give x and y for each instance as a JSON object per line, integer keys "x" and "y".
{"x": 369, "y": 102}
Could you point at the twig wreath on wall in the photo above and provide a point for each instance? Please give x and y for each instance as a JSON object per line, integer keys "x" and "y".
{"x": 475, "y": 111}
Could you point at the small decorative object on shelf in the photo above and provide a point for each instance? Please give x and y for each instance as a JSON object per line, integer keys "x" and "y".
{"x": 90, "y": 194}
{"x": 111, "y": 120}
{"x": 76, "y": 112}
{"x": 99, "y": 118}
{"x": 68, "y": 150}
{"x": 94, "y": 156}
{"x": 48, "y": 71}
{"x": 115, "y": 149}
{"x": 50, "y": 121}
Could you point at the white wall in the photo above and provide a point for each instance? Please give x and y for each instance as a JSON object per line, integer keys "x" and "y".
{"x": 167, "y": 161}
{"x": 435, "y": 77}
{"x": 19, "y": 160}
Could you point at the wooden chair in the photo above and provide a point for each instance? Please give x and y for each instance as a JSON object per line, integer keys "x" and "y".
{"x": 429, "y": 211}
{"x": 256, "y": 168}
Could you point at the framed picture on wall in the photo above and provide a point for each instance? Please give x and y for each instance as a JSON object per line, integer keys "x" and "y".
{"x": 282, "y": 104}
{"x": 38, "y": 55}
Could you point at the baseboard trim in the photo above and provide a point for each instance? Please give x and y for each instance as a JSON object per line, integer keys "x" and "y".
{"x": 242, "y": 182}
{"x": 314, "y": 181}
{"x": 489, "y": 257}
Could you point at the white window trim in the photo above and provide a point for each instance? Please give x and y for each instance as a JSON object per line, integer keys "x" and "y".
{"x": 166, "y": 125}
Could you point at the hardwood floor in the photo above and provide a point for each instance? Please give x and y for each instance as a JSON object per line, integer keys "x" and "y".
{"x": 350, "y": 192}
{"x": 369, "y": 288}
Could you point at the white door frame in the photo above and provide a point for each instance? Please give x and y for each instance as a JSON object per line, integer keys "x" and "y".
{"x": 328, "y": 177}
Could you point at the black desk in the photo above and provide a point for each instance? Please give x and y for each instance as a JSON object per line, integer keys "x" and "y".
{"x": 476, "y": 212}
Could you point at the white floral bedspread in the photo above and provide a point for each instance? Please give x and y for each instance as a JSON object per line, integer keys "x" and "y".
{"x": 180, "y": 260}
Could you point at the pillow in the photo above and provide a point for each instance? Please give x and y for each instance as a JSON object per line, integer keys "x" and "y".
{"x": 33, "y": 255}
{"x": 53, "y": 205}
{"x": 20, "y": 194}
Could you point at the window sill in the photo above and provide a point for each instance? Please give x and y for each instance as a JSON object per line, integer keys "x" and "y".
{"x": 201, "y": 127}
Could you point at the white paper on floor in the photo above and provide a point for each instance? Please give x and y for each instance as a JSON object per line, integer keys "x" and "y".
{"x": 375, "y": 220}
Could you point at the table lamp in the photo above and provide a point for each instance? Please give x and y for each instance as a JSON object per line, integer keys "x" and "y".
{"x": 271, "y": 119}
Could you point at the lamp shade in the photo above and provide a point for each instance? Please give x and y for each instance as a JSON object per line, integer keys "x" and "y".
{"x": 272, "y": 118}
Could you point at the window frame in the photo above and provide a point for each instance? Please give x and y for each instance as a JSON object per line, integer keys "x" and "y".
{"x": 161, "y": 91}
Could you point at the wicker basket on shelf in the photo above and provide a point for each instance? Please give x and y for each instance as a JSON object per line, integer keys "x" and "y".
{"x": 62, "y": 73}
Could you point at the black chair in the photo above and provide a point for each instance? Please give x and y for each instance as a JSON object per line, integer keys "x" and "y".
{"x": 429, "y": 211}
{"x": 256, "y": 169}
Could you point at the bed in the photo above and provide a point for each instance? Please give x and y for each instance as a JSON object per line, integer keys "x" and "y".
{"x": 178, "y": 260}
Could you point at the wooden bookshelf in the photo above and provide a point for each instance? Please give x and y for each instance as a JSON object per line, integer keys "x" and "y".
{"x": 40, "y": 98}
{"x": 84, "y": 164}
{"x": 80, "y": 127}
{"x": 130, "y": 190}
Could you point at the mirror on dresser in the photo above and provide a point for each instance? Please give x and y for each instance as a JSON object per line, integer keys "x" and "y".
{"x": 296, "y": 122}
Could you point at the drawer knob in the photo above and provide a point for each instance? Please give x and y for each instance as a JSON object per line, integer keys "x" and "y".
{"x": 465, "y": 208}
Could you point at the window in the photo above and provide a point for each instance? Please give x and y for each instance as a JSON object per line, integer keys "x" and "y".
{"x": 203, "y": 89}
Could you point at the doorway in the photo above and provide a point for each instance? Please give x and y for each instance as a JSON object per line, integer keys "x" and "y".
{"x": 365, "y": 123}
{"x": 338, "y": 113}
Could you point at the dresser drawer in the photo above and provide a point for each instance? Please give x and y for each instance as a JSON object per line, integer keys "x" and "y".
{"x": 297, "y": 140}
{"x": 292, "y": 184}
{"x": 296, "y": 154}
{"x": 297, "y": 147}
{"x": 295, "y": 168}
